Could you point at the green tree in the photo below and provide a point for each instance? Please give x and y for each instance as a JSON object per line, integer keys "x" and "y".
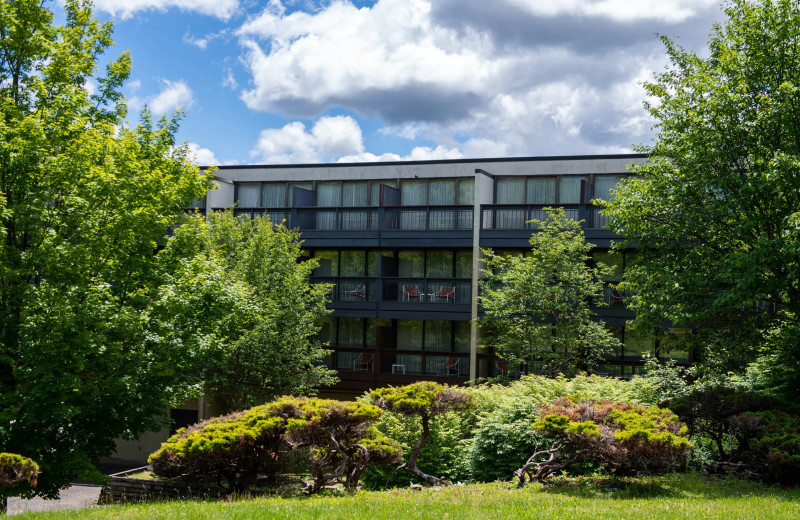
{"x": 537, "y": 307}
{"x": 87, "y": 199}
{"x": 715, "y": 210}
{"x": 237, "y": 297}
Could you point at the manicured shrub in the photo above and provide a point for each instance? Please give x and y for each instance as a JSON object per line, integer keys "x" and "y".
{"x": 503, "y": 439}
{"x": 340, "y": 439}
{"x": 422, "y": 401}
{"x": 232, "y": 450}
{"x": 626, "y": 439}
{"x": 16, "y": 469}
{"x": 769, "y": 445}
{"x": 238, "y": 449}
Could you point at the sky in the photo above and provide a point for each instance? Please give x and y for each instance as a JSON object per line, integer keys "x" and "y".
{"x": 310, "y": 81}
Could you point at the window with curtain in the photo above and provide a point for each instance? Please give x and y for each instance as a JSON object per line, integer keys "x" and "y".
{"x": 437, "y": 336}
{"x": 462, "y": 332}
{"x": 273, "y": 195}
{"x": 464, "y": 264}
{"x": 328, "y": 263}
{"x": 541, "y": 190}
{"x": 569, "y": 190}
{"x": 439, "y": 264}
{"x": 412, "y": 193}
{"x": 327, "y": 333}
{"x": 409, "y": 334}
{"x": 329, "y": 194}
{"x": 466, "y": 191}
{"x": 354, "y": 194}
{"x": 351, "y": 263}
{"x": 249, "y": 195}
{"x": 375, "y": 191}
{"x": 372, "y": 261}
{"x": 510, "y": 190}
{"x": 351, "y": 332}
{"x": 442, "y": 192}
{"x": 372, "y": 329}
{"x": 603, "y": 186}
{"x": 411, "y": 264}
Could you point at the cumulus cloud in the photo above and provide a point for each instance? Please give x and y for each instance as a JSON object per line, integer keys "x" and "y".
{"x": 329, "y": 138}
{"x": 124, "y": 9}
{"x": 173, "y": 95}
{"x": 202, "y": 156}
{"x": 509, "y": 77}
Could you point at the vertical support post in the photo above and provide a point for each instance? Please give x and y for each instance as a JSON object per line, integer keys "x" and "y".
{"x": 477, "y": 219}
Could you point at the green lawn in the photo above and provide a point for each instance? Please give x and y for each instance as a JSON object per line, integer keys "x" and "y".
{"x": 689, "y": 496}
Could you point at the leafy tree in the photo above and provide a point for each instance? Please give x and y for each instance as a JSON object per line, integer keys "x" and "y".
{"x": 87, "y": 199}
{"x": 15, "y": 470}
{"x": 715, "y": 210}
{"x": 538, "y": 306}
{"x": 238, "y": 298}
{"x": 425, "y": 400}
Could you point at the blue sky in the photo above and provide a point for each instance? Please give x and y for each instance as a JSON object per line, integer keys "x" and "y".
{"x": 300, "y": 81}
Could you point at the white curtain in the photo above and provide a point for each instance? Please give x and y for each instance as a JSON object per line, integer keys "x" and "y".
{"x": 249, "y": 195}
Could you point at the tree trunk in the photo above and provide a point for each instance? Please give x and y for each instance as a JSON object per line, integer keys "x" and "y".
{"x": 411, "y": 465}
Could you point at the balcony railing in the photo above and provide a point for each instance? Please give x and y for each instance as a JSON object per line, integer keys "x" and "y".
{"x": 400, "y": 362}
{"x": 519, "y": 216}
{"x": 417, "y": 290}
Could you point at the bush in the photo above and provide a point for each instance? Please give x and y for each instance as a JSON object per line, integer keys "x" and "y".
{"x": 504, "y": 438}
{"x": 626, "y": 439}
{"x": 237, "y": 449}
{"x": 17, "y": 474}
{"x": 769, "y": 445}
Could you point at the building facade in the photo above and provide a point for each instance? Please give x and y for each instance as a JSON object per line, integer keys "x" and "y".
{"x": 400, "y": 242}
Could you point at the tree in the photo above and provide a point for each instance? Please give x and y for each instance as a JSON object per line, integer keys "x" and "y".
{"x": 237, "y": 297}
{"x": 15, "y": 470}
{"x": 538, "y": 307}
{"x": 87, "y": 200}
{"x": 715, "y": 210}
{"x": 426, "y": 400}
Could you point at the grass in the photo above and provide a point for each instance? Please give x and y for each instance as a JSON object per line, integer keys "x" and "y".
{"x": 689, "y": 496}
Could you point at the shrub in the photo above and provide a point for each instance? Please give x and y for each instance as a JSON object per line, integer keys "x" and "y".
{"x": 504, "y": 439}
{"x": 231, "y": 450}
{"x": 626, "y": 439}
{"x": 769, "y": 445}
{"x": 237, "y": 449}
{"x": 423, "y": 400}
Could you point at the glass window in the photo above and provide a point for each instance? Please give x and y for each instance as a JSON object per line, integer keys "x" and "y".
{"x": 409, "y": 334}
{"x": 635, "y": 346}
{"x": 273, "y": 195}
{"x": 411, "y": 264}
{"x": 354, "y": 194}
{"x": 541, "y": 190}
{"x": 464, "y": 264}
{"x": 373, "y": 268}
{"x": 375, "y": 192}
{"x": 328, "y": 263}
{"x": 249, "y": 195}
{"x": 351, "y": 263}
{"x": 442, "y": 192}
{"x": 412, "y": 193}
{"x": 674, "y": 345}
{"x": 462, "y": 333}
{"x": 604, "y": 185}
{"x": 466, "y": 191}
{"x": 329, "y": 194}
{"x": 611, "y": 260}
{"x": 510, "y": 191}
{"x": 440, "y": 264}
{"x": 327, "y": 334}
{"x": 351, "y": 332}
{"x": 569, "y": 190}
{"x": 437, "y": 335}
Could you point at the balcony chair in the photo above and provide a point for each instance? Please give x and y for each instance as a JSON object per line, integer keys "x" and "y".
{"x": 615, "y": 296}
{"x": 502, "y": 367}
{"x": 363, "y": 363}
{"x": 358, "y": 292}
{"x": 449, "y": 365}
{"x": 410, "y": 291}
{"x": 446, "y": 293}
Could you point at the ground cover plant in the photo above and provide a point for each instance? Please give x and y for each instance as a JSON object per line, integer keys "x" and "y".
{"x": 684, "y": 496}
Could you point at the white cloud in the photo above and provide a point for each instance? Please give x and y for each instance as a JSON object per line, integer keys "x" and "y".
{"x": 229, "y": 81}
{"x": 123, "y": 9}
{"x": 175, "y": 95}
{"x": 202, "y": 43}
{"x": 202, "y": 156}
{"x": 329, "y": 138}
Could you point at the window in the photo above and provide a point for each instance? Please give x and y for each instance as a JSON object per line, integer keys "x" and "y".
{"x": 510, "y": 190}
{"x": 541, "y": 190}
{"x": 437, "y": 336}
{"x": 249, "y": 195}
{"x": 569, "y": 190}
{"x": 352, "y": 263}
{"x": 351, "y": 332}
{"x": 409, "y": 334}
